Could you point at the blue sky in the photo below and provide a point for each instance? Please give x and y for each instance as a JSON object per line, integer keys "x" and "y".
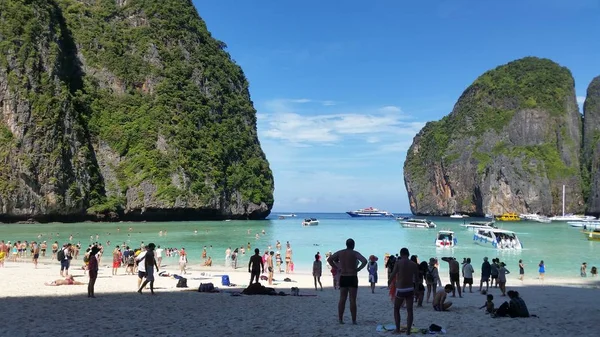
{"x": 342, "y": 87}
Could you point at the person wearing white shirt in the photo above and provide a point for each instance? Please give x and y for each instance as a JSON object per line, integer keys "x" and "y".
{"x": 158, "y": 253}
{"x": 141, "y": 266}
{"x": 467, "y": 271}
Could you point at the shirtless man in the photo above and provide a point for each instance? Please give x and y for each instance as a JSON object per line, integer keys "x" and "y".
{"x": 439, "y": 301}
{"x": 454, "y": 275}
{"x": 406, "y": 273}
{"x": 347, "y": 261}
{"x": 255, "y": 265}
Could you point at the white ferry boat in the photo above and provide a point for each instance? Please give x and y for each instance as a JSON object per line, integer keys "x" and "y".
{"x": 497, "y": 238}
{"x": 417, "y": 223}
{"x": 369, "y": 212}
{"x": 458, "y": 216}
{"x": 475, "y": 225}
{"x": 445, "y": 239}
{"x": 310, "y": 222}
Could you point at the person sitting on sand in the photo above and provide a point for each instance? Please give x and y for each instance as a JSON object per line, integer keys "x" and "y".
{"x": 69, "y": 280}
{"x": 516, "y": 306}
{"x": 439, "y": 300}
{"x": 208, "y": 262}
{"x": 489, "y": 304}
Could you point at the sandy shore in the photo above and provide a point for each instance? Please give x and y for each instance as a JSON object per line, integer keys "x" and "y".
{"x": 566, "y": 307}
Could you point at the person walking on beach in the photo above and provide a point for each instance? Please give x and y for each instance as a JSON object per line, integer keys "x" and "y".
{"x": 542, "y": 270}
{"x": 405, "y": 273}
{"x": 521, "y": 270}
{"x": 116, "y": 255}
{"x": 317, "y": 271}
{"x": 141, "y": 266}
{"x": 158, "y": 252}
{"x": 54, "y": 250}
{"x": 372, "y": 268}
{"x": 149, "y": 264}
{"x": 348, "y": 259}
{"x": 486, "y": 271}
{"x": 467, "y": 271}
{"x": 92, "y": 271}
{"x": 583, "y": 269}
{"x": 255, "y": 265}
{"x": 454, "y": 268}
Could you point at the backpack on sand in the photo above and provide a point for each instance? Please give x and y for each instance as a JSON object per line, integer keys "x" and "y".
{"x": 182, "y": 283}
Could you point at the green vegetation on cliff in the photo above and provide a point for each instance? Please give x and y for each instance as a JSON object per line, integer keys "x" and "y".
{"x": 146, "y": 78}
{"x": 490, "y": 103}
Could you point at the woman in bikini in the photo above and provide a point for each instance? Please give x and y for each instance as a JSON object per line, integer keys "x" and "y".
{"x": 288, "y": 259}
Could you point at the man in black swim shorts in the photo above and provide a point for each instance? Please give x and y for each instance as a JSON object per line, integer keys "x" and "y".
{"x": 346, "y": 260}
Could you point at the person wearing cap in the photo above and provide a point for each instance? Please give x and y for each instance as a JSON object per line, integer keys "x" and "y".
{"x": 372, "y": 269}
{"x": 486, "y": 272}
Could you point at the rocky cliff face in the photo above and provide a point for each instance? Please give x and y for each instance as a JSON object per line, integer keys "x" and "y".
{"x": 591, "y": 150}
{"x": 124, "y": 110}
{"x": 510, "y": 143}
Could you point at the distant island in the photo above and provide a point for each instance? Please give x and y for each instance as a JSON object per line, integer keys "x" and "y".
{"x": 513, "y": 139}
{"x": 124, "y": 110}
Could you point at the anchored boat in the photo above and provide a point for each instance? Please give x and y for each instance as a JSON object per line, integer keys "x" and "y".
{"x": 445, "y": 239}
{"x": 497, "y": 238}
{"x": 417, "y": 223}
{"x": 310, "y": 222}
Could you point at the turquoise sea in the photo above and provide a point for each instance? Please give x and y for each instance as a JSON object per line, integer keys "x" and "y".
{"x": 561, "y": 247}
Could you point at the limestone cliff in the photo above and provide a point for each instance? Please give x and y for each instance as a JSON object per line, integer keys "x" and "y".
{"x": 510, "y": 143}
{"x": 591, "y": 150}
{"x": 124, "y": 108}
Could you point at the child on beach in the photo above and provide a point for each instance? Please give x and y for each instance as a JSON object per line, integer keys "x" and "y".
{"x": 317, "y": 271}
{"x": 489, "y": 304}
{"x": 372, "y": 268}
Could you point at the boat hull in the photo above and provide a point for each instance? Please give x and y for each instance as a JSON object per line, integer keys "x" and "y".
{"x": 492, "y": 243}
{"x": 311, "y": 223}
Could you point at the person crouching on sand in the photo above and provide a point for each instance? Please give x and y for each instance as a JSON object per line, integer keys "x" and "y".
{"x": 439, "y": 301}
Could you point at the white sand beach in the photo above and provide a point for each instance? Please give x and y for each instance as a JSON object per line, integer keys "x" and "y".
{"x": 566, "y": 307}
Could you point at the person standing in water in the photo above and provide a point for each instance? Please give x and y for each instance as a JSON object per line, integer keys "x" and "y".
{"x": 521, "y": 270}
{"x": 348, "y": 263}
{"x": 542, "y": 270}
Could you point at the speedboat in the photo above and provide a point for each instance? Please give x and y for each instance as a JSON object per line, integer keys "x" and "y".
{"x": 585, "y": 224}
{"x": 508, "y": 217}
{"x": 535, "y": 217}
{"x": 417, "y": 223}
{"x": 458, "y": 216}
{"x": 592, "y": 235}
{"x": 310, "y": 222}
{"x": 497, "y": 238}
{"x": 445, "y": 239}
{"x": 287, "y": 215}
{"x": 369, "y": 212}
{"x": 475, "y": 225}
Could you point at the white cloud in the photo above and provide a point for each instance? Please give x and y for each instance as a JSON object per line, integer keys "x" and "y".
{"x": 329, "y": 103}
{"x": 310, "y": 128}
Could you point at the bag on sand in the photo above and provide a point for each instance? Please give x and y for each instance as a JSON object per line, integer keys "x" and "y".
{"x": 182, "y": 283}
{"x": 225, "y": 280}
{"x": 206, "y": 287}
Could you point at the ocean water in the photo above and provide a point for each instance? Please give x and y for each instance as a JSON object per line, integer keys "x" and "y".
{"x": 562, "y": 248}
